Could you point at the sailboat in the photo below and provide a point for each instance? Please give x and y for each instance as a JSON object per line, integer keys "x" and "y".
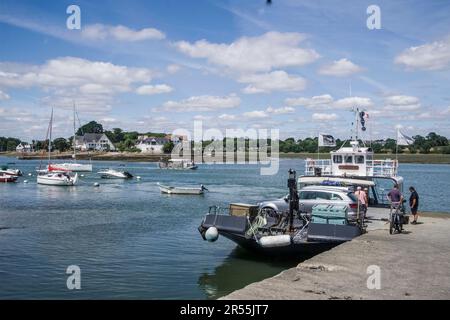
{"x": 53, "y": 176}
{"x": 73, "y": 166}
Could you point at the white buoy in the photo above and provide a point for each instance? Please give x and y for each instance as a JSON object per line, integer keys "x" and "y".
{"x": 30, "y": 174}
{"x": 211, "y": 234}
{"x": 25, "y": 181}
{"x": 96, "y": 184}
{"x": 275, "y": 241}
{"x": 81, "y": 175}
{"x": 138, "y": 177}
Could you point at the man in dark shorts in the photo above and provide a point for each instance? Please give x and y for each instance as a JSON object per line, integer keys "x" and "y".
{"x": 414, "y": 203}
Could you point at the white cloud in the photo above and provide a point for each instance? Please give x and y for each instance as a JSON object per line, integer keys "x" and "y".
{"x": 326, "y": 101}
{"x": 284, "y": 110}
{"x": 325, "y": 116}
{"x": 340, "y": 68}
{"x": 253, "y": 54}
{"x": 153, "y": 89}
{"x": 257, "y": 114}
{"x": 316, "y": 101}
{"x": 92, "y": 84}
{"x": 201, "y": 117}
{"x": 402, "y": 103}
{"x": 227, "y": 117}
{"x": 120, "y": 33}
{"x": 430, "y": 56}
{"x": 173, "y": 68}
{"x": 3, "y": 95}
{"x": 203, "y": 103}
{"x": 273, "y": 81}
{"x": 350, "y": 102}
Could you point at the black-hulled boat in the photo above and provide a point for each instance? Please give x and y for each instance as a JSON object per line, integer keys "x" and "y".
{"x": 291, "y": 232}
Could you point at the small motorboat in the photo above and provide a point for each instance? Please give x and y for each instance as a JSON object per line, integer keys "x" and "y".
{"x": 182, "y": 190}
{"x": 57, "y": 179}
{"x": 177, "y": 164}
{"x": 7, "y": 178}
{"x": 11, "y": 172}
{"x": 114, "y": 174}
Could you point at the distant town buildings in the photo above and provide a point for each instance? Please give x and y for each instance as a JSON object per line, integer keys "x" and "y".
{"x": 94, "y": 142}
{"x": 155, "y": 145}
{"x": 24, "y": 148}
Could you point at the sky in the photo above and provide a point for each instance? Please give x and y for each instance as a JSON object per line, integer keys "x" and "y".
{"x": 158, "y": 66}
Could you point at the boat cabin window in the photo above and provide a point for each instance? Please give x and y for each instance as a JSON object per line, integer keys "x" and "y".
{"x": 348, "y": 159}
{"x": 359, "y": 159}
{"x": 337, "y": 159}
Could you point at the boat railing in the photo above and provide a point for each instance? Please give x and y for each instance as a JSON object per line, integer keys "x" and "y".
{"x": 312, "y": 165}
{"x": 382, "y": 168}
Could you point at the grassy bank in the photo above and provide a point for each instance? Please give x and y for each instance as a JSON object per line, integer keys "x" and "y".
{"x": 402, "y": 158}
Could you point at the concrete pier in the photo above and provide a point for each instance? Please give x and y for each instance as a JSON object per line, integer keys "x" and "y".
{"x": 412, "y": 265}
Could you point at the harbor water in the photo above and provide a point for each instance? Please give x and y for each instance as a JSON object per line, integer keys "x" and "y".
{"x": 132, "y": 242}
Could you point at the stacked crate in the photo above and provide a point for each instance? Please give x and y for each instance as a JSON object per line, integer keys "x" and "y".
{"x": 329, "y": 214}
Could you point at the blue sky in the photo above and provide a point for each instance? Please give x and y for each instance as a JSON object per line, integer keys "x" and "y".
{"x": 160, "y": 65}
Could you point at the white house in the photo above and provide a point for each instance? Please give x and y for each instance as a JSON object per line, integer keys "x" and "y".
{"x": 94, "y": 141}
{"x": 152, "y": 145}
{"x": 24, "y": 147}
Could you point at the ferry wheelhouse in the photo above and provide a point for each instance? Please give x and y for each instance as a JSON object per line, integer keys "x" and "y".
{"x": 355, "y": 166}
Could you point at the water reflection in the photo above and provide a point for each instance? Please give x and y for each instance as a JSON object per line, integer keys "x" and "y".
{"x": 242, "y": 268}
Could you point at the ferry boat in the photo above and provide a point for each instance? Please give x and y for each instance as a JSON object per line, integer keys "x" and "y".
{"x": 355, "y": 165}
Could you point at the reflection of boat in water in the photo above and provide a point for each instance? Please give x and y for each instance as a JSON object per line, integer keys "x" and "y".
{"x": 177, "y": 164}
{"x": 114, "y": 174}
{"x": 182, "y": 190}
{"x": 291, "y": 232}
{"x": 7, "y": 178}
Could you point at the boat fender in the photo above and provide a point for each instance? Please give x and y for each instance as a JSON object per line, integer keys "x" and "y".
{"x": 275, "y": 241}
{"x": 212, "y": 234}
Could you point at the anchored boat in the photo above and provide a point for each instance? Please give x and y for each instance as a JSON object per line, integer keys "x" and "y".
{"x": 177, "y": 164}
{"x": 7, "y": 178}
{"x": 182, "y": 190}
{"x": 288, "y": 232}
{"x": 73, "y": 166}
{"x": 54, "y": 176}
{"x": 355, "y": 165}
{"x": 11, "y": 172}
{"x": 114, "y": 174}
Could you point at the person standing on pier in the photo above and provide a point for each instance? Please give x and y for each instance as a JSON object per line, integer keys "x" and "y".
{"x": 414, "y": 204}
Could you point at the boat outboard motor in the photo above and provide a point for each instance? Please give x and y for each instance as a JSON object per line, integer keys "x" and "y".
{"x": 128, "y": 175}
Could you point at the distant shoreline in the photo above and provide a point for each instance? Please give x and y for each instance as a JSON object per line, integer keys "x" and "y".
{"x": 137, "y": 157}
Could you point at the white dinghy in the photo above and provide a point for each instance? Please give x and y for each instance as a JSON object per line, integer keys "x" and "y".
{"x": 182, "y": 190}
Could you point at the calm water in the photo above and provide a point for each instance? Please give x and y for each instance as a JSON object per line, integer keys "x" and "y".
{"x": 132, "y": 242}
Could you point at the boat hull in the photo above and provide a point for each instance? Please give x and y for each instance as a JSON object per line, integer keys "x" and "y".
{"x": 185, "y": 191}
{"x": 74, "y": 167}
{"x": 7, "y": 179}
{"x": 52, "y": 180}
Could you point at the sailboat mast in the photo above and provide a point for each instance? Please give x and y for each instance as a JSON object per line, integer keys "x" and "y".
{"x": 50, "y": 137}
{"x": 73, "y": 140}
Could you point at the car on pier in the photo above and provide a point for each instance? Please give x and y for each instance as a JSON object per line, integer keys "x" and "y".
{"x": 313, "y": 195}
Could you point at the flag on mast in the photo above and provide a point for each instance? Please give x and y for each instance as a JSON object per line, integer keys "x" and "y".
{"x": 403, "y": 140}
{"x": 326, "y": 140}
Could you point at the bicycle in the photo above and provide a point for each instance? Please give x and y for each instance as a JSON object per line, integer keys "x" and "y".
{"x": 396, "y": 217}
